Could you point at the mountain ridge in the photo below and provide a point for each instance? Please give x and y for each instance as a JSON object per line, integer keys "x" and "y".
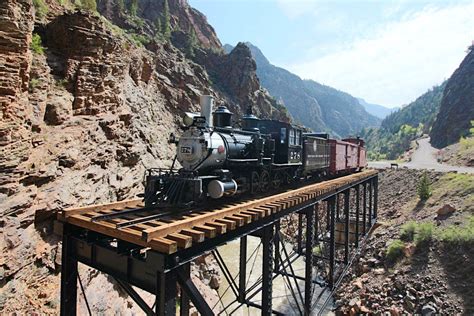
{"x": 317, "y": 106}
{"x": 377, "y": 110}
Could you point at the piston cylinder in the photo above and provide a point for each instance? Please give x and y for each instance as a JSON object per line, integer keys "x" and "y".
{"x": 218, "y": 189}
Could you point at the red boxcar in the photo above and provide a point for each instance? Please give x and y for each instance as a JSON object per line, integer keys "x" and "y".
{"x": 362, "y": 159}
{"x": 346, "y": 155}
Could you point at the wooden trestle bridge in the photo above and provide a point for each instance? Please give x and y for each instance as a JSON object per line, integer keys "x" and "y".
{"x": 152, "y": 251}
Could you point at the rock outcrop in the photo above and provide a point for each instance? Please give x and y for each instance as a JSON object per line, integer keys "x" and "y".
{"x": 457, "y": 106}
{"x": 16, "y": 26}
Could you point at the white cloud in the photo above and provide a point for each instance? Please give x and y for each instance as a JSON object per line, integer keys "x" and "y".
{"x": 296, "y": 8}
{"x": 400, "y": 61}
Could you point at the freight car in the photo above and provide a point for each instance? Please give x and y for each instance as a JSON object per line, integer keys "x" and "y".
{"x": 218, "y": 160}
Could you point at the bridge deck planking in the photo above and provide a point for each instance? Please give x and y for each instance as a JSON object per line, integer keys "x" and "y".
{"x": 182, "y": 231}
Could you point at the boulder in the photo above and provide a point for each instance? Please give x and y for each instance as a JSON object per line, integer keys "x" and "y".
{"x": 58, "y": 110}
{"x": 446, "y": 210}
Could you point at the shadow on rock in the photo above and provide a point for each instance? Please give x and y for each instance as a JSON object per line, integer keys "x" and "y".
{"x": 458, "y": 263}
{"x": 420, "y": 258}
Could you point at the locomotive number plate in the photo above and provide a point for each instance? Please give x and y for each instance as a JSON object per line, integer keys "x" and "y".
{"x": 186, "y": 150}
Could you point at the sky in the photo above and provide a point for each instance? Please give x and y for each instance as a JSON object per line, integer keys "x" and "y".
{"x": 388, "y": 52}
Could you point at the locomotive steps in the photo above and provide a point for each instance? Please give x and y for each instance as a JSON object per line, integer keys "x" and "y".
{"x": 170, "y": 232}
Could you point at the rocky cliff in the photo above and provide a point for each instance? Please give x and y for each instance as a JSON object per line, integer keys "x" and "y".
{"x": 457, "y": 105}
{"x": 86, "y": 107}
{"x": 314, "y": 105}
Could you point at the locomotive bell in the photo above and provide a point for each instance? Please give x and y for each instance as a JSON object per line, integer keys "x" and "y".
{"x": 222, "y": 117}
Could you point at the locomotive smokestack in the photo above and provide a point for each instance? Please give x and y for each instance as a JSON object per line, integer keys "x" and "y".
{"x": 207, "y": 102}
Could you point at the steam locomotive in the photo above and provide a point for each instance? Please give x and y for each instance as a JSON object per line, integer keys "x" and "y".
{"x": 219, "y": 160}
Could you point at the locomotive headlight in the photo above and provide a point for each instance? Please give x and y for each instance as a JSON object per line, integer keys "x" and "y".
{"x": 188, "y": 118}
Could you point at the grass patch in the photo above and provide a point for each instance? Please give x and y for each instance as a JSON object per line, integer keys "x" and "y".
{"x": 36, "y": 44}
{"x": 395, "y": 250}
{"x": 41, "y": 9}
{"x": 458, "y": 235}
{"x": 457, "y": 184}
{"x": 420, "y": 233}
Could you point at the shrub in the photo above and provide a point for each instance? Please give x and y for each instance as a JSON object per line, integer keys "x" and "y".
{"x": 424, "y": 233}
{"x": 407, "y": 231}
{"x": 41, "y": 8}
{"x": 395, "y": 250}
{"x": 33, "y": 83}
{"x": 36, "y": 44}
{"x": 458, "y": 234}
{"x": 140, "y": 40}
{"x": 89, "y": 5}
{"x": 424, "y": 188}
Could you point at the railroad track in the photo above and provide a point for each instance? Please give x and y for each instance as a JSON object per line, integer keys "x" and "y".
{"x": 167, "y": 232}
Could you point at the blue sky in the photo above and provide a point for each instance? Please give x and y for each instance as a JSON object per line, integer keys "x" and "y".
{"x": 387, "y": 52}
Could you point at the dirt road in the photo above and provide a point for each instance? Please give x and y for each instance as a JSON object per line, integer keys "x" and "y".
{"x": 423, "y": 158}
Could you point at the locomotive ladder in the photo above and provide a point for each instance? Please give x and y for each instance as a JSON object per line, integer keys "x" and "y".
{"x": 153, "y": 251}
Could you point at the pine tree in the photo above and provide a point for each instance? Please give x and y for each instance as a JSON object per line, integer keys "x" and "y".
{"x": 121, "y": 5}
{"x": 191, "y": 42}
{"x": 166, "y": 27}
{"x": 424, "y": 188}
{"x": 134, "y": 7}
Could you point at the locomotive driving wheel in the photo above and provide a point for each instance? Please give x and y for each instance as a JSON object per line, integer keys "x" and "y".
{"x": 264, "y": 181}
{"x": 277, "y": 179}
{"x": 255, "y": 182}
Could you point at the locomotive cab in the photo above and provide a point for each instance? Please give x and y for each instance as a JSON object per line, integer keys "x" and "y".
{"x": 288, "y": 141}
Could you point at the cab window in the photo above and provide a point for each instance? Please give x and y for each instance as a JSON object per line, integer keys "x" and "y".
{"x": 282, "y": 135}
{"x": 292, "y": 137}
{"x": 298, "y": 138}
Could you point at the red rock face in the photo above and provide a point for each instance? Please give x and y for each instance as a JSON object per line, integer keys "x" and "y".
{"x": 16, "y": 25}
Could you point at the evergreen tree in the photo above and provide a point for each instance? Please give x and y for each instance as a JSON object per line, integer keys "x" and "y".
{"x": 166, "y": 27}
{"x": 121, "y": 5}
{"x": 191, "y": 42}
{"x": 134, "y": 7}
{"x": 424, "y": 188}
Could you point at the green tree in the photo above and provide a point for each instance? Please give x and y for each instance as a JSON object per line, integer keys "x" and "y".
{"x": 191, "y": 42}
{"x": 166, "y": 27}
{"x": 89, "y": 5}
{"x": 134, "y": 7}
{"x": 121, "y": 5}
{"x": 424, "y": 188}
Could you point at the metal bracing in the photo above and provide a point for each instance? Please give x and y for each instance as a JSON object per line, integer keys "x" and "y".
{"x": 328, "y": 231}
{"x": 267, "y": 269}
{"x": 309, "y": 245}
{"x": 135, "y": 296}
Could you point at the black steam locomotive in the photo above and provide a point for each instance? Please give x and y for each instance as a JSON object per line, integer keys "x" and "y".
{"x": 219, "y": 160}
